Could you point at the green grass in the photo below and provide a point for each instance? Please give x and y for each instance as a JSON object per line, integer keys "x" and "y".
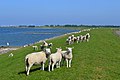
{"x": 98, "y": 59}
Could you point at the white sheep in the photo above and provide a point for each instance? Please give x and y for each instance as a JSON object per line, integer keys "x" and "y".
{"x": 36, "y": 58}
{"x": 55, "y": 59}
{"x": 11, "y": 55}
{"x": 67, "y": 55}
{"x": 35, "y": 47}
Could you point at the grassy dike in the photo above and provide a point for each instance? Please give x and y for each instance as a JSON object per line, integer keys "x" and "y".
{"x": 98, "y": 59}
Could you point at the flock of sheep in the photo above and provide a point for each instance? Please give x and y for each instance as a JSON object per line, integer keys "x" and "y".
{"x": 71, "y": 39}
{"x": 54, "y": 58}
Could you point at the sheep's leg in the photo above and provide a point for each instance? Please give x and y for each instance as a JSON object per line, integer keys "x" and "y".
{"x": 77, "y": 41}
{"x": 26, "y": 68}
{"x": 70, "y": 62}
{"x": 67, "y": 62}
{"x": 49, "y": 65}
{"x": 42, "y": 66}
{"x": 29, "y": 69}
{"x": 53, "y": 66}
{"x": 57, "y": 65}
{"x": 49, "y": 68}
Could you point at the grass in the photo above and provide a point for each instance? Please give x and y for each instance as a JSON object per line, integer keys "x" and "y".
{"x": 98, "y": 59}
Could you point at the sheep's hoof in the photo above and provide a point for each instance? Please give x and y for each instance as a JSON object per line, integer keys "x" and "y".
{"x": 27, "y": 74}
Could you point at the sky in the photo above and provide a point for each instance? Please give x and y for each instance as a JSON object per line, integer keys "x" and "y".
{"x": 46, "y": 12}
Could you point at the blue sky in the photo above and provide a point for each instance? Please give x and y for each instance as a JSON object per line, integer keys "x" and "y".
{"x": 42, "y": 12}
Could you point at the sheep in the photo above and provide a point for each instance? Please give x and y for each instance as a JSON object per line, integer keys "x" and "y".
{"x": 67, "y": 55}
{"x": 78, "y": 39}
{"x": 36, "y": 58}
{"x": 35, "y": 47}
{"x": 69, "y": 40}
{"x": 72, "y": 38}
{"x": 11, "y": 55}
{"x": 81, "y": 38}
{"x": 84, "y": 38}
{"x": 87, "y": 37}
{"x": 55, "y": 59}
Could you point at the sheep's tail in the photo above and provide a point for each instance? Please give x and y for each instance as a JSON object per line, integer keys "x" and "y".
{"x": 26, "y": 61}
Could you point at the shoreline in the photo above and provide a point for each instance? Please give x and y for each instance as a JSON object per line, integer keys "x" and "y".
{"x": 6, "y": 49}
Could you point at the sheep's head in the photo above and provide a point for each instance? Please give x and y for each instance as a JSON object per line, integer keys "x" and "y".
{"x": 48, "y": 51}
{"x": 69, "y": 49}
{"x": 59, "y": 49}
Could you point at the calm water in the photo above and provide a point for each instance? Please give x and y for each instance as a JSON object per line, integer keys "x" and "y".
{"x": 23, "y": 36}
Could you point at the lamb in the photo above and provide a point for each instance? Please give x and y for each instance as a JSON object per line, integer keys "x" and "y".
{"x": 55, "y": 59}
{"x": 36, "y": 58}
{"x": 35, "y": 47}
{"x": 67, "y": 55}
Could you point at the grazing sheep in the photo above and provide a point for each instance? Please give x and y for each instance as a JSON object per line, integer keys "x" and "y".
{"x": 55, "y": 59}
{"x": 36, "y": 58}
{"x": 87, "y": 37}
{"x": 11, "y": 55}
{"x": 35, "y": 47}
{"x": 71, "y": 39}
{"x": 67, "y": 55}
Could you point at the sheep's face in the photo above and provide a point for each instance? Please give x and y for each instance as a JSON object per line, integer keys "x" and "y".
{"x": 48, "y": 51}
{"x": 69, "y": 49}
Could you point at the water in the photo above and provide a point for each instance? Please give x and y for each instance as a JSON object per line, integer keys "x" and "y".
{"x": 23, "y": 36}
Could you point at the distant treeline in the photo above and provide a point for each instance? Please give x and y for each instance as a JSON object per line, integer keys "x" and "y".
{"x": 32, "y": 26}
{"x": 81, "y": 26}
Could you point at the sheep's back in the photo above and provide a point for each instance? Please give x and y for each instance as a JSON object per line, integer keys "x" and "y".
{"x": 36, "y": 58}
{"x": 56, "y": 57}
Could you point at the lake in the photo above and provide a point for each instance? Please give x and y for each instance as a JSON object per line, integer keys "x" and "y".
{"x": 23, "y": 36}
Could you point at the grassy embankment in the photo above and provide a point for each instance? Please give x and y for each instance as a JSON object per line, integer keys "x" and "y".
{"x": 98, "y": 59}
